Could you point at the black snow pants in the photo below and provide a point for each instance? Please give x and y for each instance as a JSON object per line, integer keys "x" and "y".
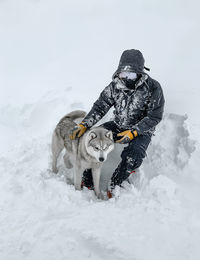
{"x": 132, "y": 157}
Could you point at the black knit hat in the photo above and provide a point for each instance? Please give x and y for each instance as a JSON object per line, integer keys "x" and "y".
{"x": 131, "y": 60}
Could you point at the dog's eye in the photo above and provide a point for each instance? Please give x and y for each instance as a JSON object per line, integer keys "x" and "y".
{"x": 96, "y": 148}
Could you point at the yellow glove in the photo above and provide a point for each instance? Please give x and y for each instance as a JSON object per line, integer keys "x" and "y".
{"x": 78, "y": 131}
{"x": 128, "y": 135}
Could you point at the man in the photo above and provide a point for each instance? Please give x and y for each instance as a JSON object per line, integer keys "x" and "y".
{"x": 138, "y": 107}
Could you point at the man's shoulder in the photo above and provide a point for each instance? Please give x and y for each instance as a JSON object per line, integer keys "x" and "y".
{"x": 154, "y": 84}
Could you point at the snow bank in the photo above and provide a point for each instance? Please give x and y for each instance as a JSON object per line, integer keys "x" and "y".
{"x": 43, "y": 217}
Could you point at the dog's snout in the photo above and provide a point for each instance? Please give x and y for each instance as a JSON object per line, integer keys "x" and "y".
{"x": 101, "y": 159}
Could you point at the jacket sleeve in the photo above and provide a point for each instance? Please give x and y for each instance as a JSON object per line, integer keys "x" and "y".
{"x": 154, "y": 111}
{"x": 100, "y": 107}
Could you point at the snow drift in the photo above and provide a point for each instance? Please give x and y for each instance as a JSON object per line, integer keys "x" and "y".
{"x": 43, "y": 217}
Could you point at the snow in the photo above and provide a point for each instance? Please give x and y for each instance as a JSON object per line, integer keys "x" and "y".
{"x": 41, "y": 215}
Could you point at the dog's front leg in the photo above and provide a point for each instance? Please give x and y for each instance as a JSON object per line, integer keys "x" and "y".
{"x": 77, "y": 177}
{"x": 96, "y": 173}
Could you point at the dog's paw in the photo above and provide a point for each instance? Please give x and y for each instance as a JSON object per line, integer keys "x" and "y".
{"x": 55, "y": 170}
{"x": 102, "y": 196}
{"x": 77, "y": 187}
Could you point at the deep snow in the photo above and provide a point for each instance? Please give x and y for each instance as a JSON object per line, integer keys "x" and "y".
{"x": 43, "y": 217}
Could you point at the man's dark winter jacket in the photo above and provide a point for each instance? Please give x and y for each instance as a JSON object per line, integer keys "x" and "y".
{"x": 138, "y": 109}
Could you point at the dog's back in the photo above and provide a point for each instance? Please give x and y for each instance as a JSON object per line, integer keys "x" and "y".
{"x": 73, "y": 116}
{"x": 67, "y": 123}
{"x": 61, "y": 134}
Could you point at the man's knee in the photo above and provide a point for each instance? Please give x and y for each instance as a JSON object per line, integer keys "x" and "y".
{"x": 133, "y": 158}
{"x": 133, "y": 163}
{"x": 135, "y": 152}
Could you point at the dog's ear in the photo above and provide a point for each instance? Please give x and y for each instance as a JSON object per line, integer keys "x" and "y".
{"x": 92, "y": 135}
{"x": 109, "y": 135}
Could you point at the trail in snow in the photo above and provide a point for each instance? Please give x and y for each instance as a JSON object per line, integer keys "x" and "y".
{"x": 43, "y": 217}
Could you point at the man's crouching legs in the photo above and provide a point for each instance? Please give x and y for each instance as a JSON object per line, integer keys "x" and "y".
{"x": 132, "y": 158}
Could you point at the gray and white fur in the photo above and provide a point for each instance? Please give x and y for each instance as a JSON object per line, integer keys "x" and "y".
{"x": 87, "y": 152}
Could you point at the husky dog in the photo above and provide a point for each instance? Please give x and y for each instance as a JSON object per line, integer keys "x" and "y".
{"x": 87, "y": 152}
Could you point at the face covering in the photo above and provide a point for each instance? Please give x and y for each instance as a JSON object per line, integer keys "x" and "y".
{"x": 128, "y": 78}
{"x": 129, "y": 83}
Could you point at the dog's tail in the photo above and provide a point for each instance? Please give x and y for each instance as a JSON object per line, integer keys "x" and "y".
{"x": 76, "y": 114}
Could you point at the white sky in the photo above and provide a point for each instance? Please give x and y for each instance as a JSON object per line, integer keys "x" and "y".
{"x": 48, "y": 44}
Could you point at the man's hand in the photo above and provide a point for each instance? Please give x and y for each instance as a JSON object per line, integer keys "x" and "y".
{"x": 128, "y": 135}
{"x": 78, "y": 131}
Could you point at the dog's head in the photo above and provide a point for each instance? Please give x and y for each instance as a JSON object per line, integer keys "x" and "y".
{"x": 99, "y": 143}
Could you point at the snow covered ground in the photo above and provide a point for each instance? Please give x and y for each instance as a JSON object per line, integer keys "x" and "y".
{"x": 41, "y": 215}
